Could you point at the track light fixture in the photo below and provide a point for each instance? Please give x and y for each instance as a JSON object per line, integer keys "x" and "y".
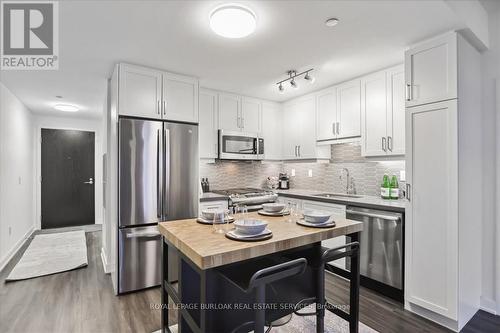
{"x": 292, "y": 74}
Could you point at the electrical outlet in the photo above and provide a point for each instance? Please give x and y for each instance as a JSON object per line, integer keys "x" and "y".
{"x": 402, "y": 176}
{"x": 293, "y": 172}
{"x": 309, "y": 173}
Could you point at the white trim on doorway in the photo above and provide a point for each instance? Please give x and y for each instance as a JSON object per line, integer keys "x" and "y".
{"x": 497, "y": 194}
{"x": 90, "y": 125}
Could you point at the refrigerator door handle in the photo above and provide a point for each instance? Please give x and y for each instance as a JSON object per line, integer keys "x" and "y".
{"x": 158, "y": 170}
{"x": 166, "y": 188}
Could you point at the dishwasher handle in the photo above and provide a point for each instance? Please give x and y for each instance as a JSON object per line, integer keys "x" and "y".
{"x": 375, "y": 215}
{"x": 148, "y": 234}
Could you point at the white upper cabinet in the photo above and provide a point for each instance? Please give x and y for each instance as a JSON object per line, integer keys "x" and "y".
{"x": 290, "y": 130}
{"x": 396, "y": 111}
{"x": 326, "y": 123}
{"x": 251, "y": 110}
{"x": 207, "y": 130}
{"x": 349, "y": 110}
{"x": 140, "y": 91}
{"x": 151, "y": 93}
{"x": 180, "y": 98}
{"x": 374, "y": 114}
{"x": 431, "y": 71}
{"x": 272, "y": 130}
{"x": 229, "y": 112}
{"x": 383, "y": 113}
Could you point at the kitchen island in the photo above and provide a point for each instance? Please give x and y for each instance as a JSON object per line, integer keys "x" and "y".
{"x": 207, "y": 302}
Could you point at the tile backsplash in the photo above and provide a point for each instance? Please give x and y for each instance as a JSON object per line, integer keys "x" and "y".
{"x": 366, "y": 174}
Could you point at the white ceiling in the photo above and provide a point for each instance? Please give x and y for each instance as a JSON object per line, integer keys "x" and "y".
{"x": 175, "y": 36}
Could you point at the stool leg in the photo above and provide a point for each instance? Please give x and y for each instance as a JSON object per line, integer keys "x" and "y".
{"x": 354, "y": 286}
{"x": 260, "y": 314}
{"x": 320, "y": 301}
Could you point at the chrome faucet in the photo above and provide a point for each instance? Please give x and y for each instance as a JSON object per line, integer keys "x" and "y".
{"x": 349, "y": 185}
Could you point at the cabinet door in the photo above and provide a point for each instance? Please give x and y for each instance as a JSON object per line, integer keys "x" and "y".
{"x": 432, "y": 215}
{"x": 326, "y": 113}
{"x": 337, "y": 211}
{"x": 290, "y": 131}
{"x": 180, "y": 98}
{"x": 251, "y": 110}
{"x": 229, "y": 112}
{"x": 431, "y": 71}
{"x": 396, "y": 111}
{"x": 272, "y": 131}
{"x": 373, "y": 115}
{"x": 306, "y": 127}
{"x": 349, "y": 109}
{"x": 207, "y": 131}
{"x": 140, "y": 91}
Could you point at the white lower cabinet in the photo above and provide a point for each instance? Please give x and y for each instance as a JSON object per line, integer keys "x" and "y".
{"x": 336, "y": 211}
{"x": 219, "y": 204}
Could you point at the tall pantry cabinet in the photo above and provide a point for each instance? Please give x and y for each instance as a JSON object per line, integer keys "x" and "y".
{"x": 443, "y": 161}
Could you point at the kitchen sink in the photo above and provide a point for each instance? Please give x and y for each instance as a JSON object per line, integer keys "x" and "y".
{"x": 337, "y": 195}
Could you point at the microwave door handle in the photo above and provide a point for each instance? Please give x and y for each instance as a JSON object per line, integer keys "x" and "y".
{"x": 256, "y": 146}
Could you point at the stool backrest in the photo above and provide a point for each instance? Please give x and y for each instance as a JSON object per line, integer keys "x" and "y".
{"x": 277, "y": 272}
{"x": 335, "y": 253}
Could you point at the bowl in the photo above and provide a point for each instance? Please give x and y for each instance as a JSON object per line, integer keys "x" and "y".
{"x": 316, "y": 216}
{"x": 250, "y": 226}
{"x": 274, "y": 207}
{"x": 208, "y": 214}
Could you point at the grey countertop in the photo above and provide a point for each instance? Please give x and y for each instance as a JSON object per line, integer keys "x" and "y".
{"x": 209, "y": 196}
{"x": 364, "y": 201}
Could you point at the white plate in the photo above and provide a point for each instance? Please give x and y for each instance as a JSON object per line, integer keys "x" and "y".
{"x": 237, "y": 234}
{"x": 200, "y": 219}
{"x": 282, "y": 213}
{"x": 327, "y": 224}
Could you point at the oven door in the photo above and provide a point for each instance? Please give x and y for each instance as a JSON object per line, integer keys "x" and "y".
{"x": 238, "y": 146}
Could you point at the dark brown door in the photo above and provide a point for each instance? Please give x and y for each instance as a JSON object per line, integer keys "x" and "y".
{"x": 68, "y": 179}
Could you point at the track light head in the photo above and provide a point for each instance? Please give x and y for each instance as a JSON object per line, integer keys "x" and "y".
{"x": 309, "y": 78}
{"x": 281, "y": 88}
{"x": 294, "y": 84}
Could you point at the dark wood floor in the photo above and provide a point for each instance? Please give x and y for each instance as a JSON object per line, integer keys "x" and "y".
{"x": 82, "y": 300}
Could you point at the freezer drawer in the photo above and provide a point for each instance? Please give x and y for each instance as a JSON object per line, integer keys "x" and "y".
{"x": 139, "y": 258}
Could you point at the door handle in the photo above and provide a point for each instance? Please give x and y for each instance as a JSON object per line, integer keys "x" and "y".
{"x": 90, "y": 182}
{"x": 166, "y": 189}
{"x": 383, "y": 144}
{"x": 158, "y": 105}
{"x": 408, "y": 92}
{"x": 389, "y": 143}
{"x": 374, "y": 215}
{"x": 149, "y": 234}
{"x": 338, "y": 128}
{"x": 164, "y": 107}
{"x": 408, "y": 189}
{"x": 296, "y": 151}
{"x": 299, "y": 150}
{"x": 158, "y": 176}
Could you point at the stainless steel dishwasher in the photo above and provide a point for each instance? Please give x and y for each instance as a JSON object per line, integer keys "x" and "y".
{"x": 381, "y": 249}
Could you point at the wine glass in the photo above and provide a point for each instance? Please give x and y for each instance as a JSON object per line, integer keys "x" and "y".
{"x": 220, "y": 222}
{"x": 242, "y": 210}
{"x": 292, "y": 208}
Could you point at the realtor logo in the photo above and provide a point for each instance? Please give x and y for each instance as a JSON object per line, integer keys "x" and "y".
{"x": 29, "y": 39}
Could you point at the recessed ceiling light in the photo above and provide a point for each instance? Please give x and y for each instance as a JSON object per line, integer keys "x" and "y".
{"x": 331, "y": 22}
{"x": 233, "y": 21}
{"x": 66, "y": 107}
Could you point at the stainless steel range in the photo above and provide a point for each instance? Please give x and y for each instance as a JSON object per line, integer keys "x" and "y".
{"x": 253, "y": 198}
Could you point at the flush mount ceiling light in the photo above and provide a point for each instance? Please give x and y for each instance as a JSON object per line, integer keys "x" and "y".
{"x": 331, "y": 22}
{"x": 292, "y": 74}
{"x": 233, "y": 21}
{"x": 66, "y": 108}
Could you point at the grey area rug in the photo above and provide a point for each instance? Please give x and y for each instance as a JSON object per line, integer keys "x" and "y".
{"x": 50, "y": 254}
{"x": 333, "y": 324}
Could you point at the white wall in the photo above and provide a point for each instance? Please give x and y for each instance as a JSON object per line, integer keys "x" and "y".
{"x": 490, "y": 71}
{"x": 74, "y": 123}
{"x": 16, "y": 174}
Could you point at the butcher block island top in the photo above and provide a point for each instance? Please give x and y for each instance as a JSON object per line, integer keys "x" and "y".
{"x": 207, "y": 249}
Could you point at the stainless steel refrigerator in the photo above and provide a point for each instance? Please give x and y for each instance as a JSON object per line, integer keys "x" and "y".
{"x": 158, "y": 181}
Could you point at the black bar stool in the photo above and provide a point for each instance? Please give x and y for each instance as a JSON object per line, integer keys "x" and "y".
{"x": 350, "y": 250}
{"x": 258, "y": 283}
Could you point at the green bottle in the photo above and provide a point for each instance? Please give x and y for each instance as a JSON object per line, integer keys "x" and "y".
{"x": 394, "y": 193}
{"x": 385, "y": 189}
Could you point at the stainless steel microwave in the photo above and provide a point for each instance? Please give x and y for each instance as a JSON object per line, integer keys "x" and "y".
{"x": 234, "y": 145}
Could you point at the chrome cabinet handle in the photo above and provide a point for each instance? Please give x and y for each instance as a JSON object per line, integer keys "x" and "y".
{"x": 389, "y": 143}
{"x": 299, "y": 151}
{"x": 143, "y": 234}
{"x": 90, "y": 182}
{"x": 383, "y": 144}
{"x": 158, "y": 105}
{"x": 408, "y": 92}
{"x": 164, "y": 107}
{"x": 408, "y": 189}
{"x": 338, "y": 128}
{"x": 379, "y": 216}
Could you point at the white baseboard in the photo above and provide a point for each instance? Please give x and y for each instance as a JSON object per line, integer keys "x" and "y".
{"x": 6, "y": 259}
{"x": 105, "y": 265}
{"x": 488, "y": 305}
